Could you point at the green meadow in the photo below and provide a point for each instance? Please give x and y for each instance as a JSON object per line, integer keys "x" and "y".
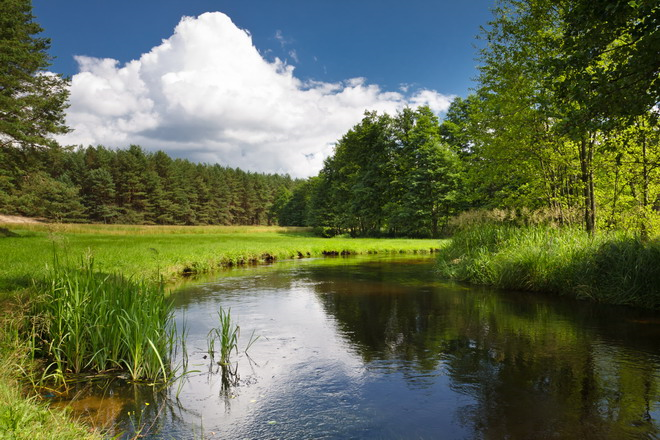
{"x": 171, "y": 251}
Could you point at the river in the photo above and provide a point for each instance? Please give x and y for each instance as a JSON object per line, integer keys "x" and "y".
{"x": 381, "y": 347}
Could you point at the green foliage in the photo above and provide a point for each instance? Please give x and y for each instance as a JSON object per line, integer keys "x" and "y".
{"x": 388, "y": 175}
{"x": 563, "y": 118}
{"x": 608, "y": 61}
{"x": 613, "y": 268}
{"x": 32, "y": 100}
{"x": 45, "y": 197}
{"x": 134, "y": 187}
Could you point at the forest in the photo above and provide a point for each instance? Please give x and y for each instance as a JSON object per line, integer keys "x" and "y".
{"x": 133, "y": 186}
{"x": 562, "y": 128}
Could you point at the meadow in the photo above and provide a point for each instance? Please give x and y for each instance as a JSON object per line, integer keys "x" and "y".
{"x": 152, "y": 252}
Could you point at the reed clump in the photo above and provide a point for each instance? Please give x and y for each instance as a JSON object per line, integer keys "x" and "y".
{"x": 95, "y": 322}
{"x": 226, "y": 335}
{"x": 613, "y": 267}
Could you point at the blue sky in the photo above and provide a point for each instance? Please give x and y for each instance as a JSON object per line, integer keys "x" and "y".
{"x": 332, "y": 59}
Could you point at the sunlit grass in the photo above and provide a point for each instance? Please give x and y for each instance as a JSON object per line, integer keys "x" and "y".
{"x": 94, "y": 322}
{"x": 616, "y": 268}
{"x": 147, "y": 251}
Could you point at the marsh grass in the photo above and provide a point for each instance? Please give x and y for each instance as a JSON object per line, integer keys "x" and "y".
{"x": 28, "y": 417}
{"x": 95, "y": 322}
{"x": 615, "y": 268}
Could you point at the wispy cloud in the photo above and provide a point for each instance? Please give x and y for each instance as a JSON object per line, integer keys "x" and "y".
{"x": 207, "y": 94}
{"x": 294, "y": 56}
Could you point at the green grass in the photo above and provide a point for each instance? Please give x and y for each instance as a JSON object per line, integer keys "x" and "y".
{"x": 144, "y": 251}
{"x": 614, "y": 268}
{"x": 95, "y": 322}
{"x": 226, "y": 334}
{"x": 21, "y": 416}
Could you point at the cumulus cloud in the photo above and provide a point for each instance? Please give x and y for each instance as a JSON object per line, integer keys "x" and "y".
{"x": 207, "y": 94}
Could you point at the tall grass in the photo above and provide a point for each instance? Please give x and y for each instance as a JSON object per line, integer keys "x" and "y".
{"x": 95, "y": 322}
{"x": 24, "y": 417}
{"x": 616, "y": 268}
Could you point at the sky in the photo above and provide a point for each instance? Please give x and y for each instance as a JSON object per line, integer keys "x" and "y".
{"x": 263, "y": 85}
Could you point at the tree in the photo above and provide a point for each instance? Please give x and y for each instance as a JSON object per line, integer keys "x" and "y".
{"x": 608, "y": 60}
{"x": 427, "y": 174}
{"x": 32, "y": 100}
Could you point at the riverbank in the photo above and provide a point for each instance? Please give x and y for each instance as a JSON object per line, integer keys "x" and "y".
{"x": 614, "y": 268}
{"x": 137, "y": 252}
{"x": 172, "y": 251}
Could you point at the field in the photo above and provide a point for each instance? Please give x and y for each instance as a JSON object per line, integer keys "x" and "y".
{"x": 171, "y": 251}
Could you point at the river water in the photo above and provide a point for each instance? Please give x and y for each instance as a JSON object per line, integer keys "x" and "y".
{"x": 383, "y": 348}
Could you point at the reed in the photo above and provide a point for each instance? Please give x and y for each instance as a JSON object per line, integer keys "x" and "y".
{"x": 615, "y": 267}
{"x": 226, "y": 334}
{"x": 96, "y": 322}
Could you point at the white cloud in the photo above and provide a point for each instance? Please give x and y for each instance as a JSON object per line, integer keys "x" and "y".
{"x": 207, "y": 94}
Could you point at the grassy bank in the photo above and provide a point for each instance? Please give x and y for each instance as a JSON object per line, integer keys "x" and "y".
{"x": 614, "y": 268}
{"x": 76, "y": 329}
{"x": 145, "y": 251}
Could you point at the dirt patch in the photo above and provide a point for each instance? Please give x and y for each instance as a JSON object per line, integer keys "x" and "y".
{"x": 18, "y": 219}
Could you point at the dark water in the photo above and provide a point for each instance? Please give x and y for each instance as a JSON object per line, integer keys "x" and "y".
{"x": 381, "y": 348}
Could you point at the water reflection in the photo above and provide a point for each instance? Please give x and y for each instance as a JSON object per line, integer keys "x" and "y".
{"x": 536, "y": 367}
{"x": 378, "y": 348}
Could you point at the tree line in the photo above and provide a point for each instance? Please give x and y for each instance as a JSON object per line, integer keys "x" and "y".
{"x": 564, "y": 119}
{"x": 133, "y": 186}
{"x": 389, "y": 175}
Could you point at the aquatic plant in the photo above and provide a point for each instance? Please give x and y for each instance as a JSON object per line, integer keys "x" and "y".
{"x": 226, "y": 334}
{"x": 96, "y": 322}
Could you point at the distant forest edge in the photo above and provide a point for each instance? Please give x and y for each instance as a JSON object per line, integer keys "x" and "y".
{"x": 133, "y": 186}
{"x": 563, "y": 127}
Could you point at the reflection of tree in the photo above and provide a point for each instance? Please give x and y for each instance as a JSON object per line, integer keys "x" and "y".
{"x": 535, "y": 368}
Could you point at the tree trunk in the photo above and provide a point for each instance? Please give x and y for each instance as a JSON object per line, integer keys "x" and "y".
{"x": 645, "y": 191}
{"x": 587, "y": 177}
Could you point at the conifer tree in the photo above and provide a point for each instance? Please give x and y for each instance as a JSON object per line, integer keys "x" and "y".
{"x": 32, "y": 100}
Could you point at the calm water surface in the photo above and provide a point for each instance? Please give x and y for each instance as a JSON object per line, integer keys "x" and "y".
{"x": 381, "y": 348}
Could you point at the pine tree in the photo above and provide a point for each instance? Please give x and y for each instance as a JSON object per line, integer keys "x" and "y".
{"x": 32, "y": 100}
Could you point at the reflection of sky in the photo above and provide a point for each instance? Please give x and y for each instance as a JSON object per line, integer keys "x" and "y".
{"x": 427, "y": 360}
{"x": 302, "y": 377}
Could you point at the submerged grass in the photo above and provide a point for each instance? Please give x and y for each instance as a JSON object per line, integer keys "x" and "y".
{"x": 615, "y": 268}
